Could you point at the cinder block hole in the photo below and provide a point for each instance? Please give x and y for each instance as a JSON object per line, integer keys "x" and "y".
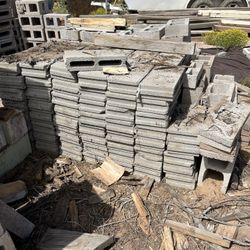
{"x": 4, "y": 13}
{"x": 5, "y": 33}
{"x": 110, "y": 62}
{"x": 30, "y": 45}
{"x": 4, "y": 24}
{"x": 59, "y": 34}
{"x": 3, "y": 3}
{"x": 25, "y": 21}
{"x": 43, "y": 7}
{"x": 214, "y": 175}
{"x": 60, "y": 21}
{"x": 82, "y": 64}
{"x": 49, "y": 21}
{"x": 36, "y": 21}
{"x": 26, "y": 34}
{"x": 33, "y": 7}
{"x": 37, "y": 34}
{"x": 4, "y": 45}
{"x": 51, "y": 34}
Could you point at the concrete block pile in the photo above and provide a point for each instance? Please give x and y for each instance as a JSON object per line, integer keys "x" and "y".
{"x": 159, "y": 92}
{"x": 7, "y": 38}
{"x": 65, "y": 97}
{"x": 12, "y": 89}
{"x": 41, "y": 112}
{"x": 93, "y": 85}
{"x": 30, "y": 15}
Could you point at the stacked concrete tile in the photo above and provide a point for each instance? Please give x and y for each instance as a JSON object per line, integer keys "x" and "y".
{"x": 181, "y": 157}
{"x": 54, "y": 23}
{"x": 158, "y": 94}
{"x": 12, "y": 88}
{"x": 120, "y": 116}
{"x": 93, "y": 85}
{"x": 65, "y": 97}
{"x": 30, "y": 14}
{"x": 7, "y": 38}
{"x": 38, "y": 92}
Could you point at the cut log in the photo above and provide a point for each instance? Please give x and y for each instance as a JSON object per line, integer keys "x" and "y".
{"x": 109, "y": 172}
{"x": 109, "y": 22}
{"x": 13, "y": 191}
{"x": 15, "y": 222}
{"x": 56, "y": 239}
{"x": 124, "y": 42}
{"x": 198, "y": 233}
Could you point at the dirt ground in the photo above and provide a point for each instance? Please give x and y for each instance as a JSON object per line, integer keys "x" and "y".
{"x": 53, "y": 184}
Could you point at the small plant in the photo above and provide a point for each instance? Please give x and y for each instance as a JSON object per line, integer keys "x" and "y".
{"x": 99, "y": 11}
{"x": 233, "y": 38}
{"x": 246, "y": 82}
{"x": 60, "y": 7}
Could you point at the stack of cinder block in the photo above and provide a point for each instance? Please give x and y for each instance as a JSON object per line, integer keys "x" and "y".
{"x": 159, "y": 92}
{"x": 7, "y": 39}
{"x": 12, "y": 88}
{"x": 54, "y": 23}
{"x": 30, "y": 14}
{"x": 17, "y": 33}
{"x": 65, "y": 97}
{"x": 92, "y": 110}
{"x": 38, "y": 92}
{"x": 181, "y": 157}
{"x": 178, "y": 30}
{"x": 120, "y": 116}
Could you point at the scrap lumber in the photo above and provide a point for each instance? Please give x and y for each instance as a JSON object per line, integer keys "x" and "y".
{"x": 109, "y": 172}
{"x": 228, "y": 230}
{"x": 15, "y": 222}
{"x": 235, "y": 14}
{"x": 73, "y": 215}
{"x": 146, "y": 188}
{"x": 168, "y": 242}
{"x": 13, "y": 191}
{"x": 89, "y": 22}
{"x": 219, "y": 27}
{"x": 143, "y": 213}
{"x": 6, "y": 242}
{"x": 124, "y": 42}
{"x": 198, "y": 233}
{"x": 56, "y": 239}
{"x": 235, "y": 22}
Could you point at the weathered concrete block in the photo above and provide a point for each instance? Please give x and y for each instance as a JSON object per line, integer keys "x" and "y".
{"x": 69, "y": 34}
{"x": 31, "y": 7}
{"x": 31, "y": 21}
{"x": 33, "y": 34}
{"x": 55, "y": 21}
{"x": 5, "y": 13}
{"x": 9, "y": 69}
{"x": 93, "y": 60}
{"x": 52, "y": 34}
{"x": 59, "y": 70}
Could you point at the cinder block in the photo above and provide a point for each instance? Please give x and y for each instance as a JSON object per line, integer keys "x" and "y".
{"x": 55, "y": 21}
{"x": 8, "y": 46}
{"x": 149, "y": 31}
{"x": 33, "y": 22}
{"x": 93, "y": 60}
{"x": 5, "y": 14}
{"x": 5, "y": 4}
{"x": 69, "y": 34}
{"x": 31, "y": 7}
{"x": 52, "y": 34}
{"x": 33, "y": 35}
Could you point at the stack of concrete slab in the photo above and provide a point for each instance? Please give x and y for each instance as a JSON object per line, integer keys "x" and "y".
{"x": 7, "y": 39}
{"x": 93, "y": 86}
{"x": 12, "y": 88}
{"x": 54, "y": 23}
{"x": 158, "y": 95}
{"x": 65, "y": 97}
{"x": 181, "y": 159}
{"x": 178, "y": 30}
{"x": 120, "y": 116}
{"x": 30, "y": 14}
{"x": 38, "y": 92}
{"x": 194, "y": 84}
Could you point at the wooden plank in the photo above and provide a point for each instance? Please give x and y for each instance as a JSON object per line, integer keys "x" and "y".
{"x": 13, "y": 191}
{"x": 168, "y": 241}
{"x": 56, "y": 239}
{"x": 109, "y": 22}
{"x": 146, "y": 188}
{"x": 239, "y": 215}
{"x": 224, "y": 13}
{"x": 124, "y": 42}
{"x": 235, "y": 22}
{"x": 203, "y": 25}
{"x": 227, "y": 27}
{"x": 228, "y": 231}
{"x": 198, "y": 233}
{"x": 15, "y": 222}
{"x": 109, "y": 172}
